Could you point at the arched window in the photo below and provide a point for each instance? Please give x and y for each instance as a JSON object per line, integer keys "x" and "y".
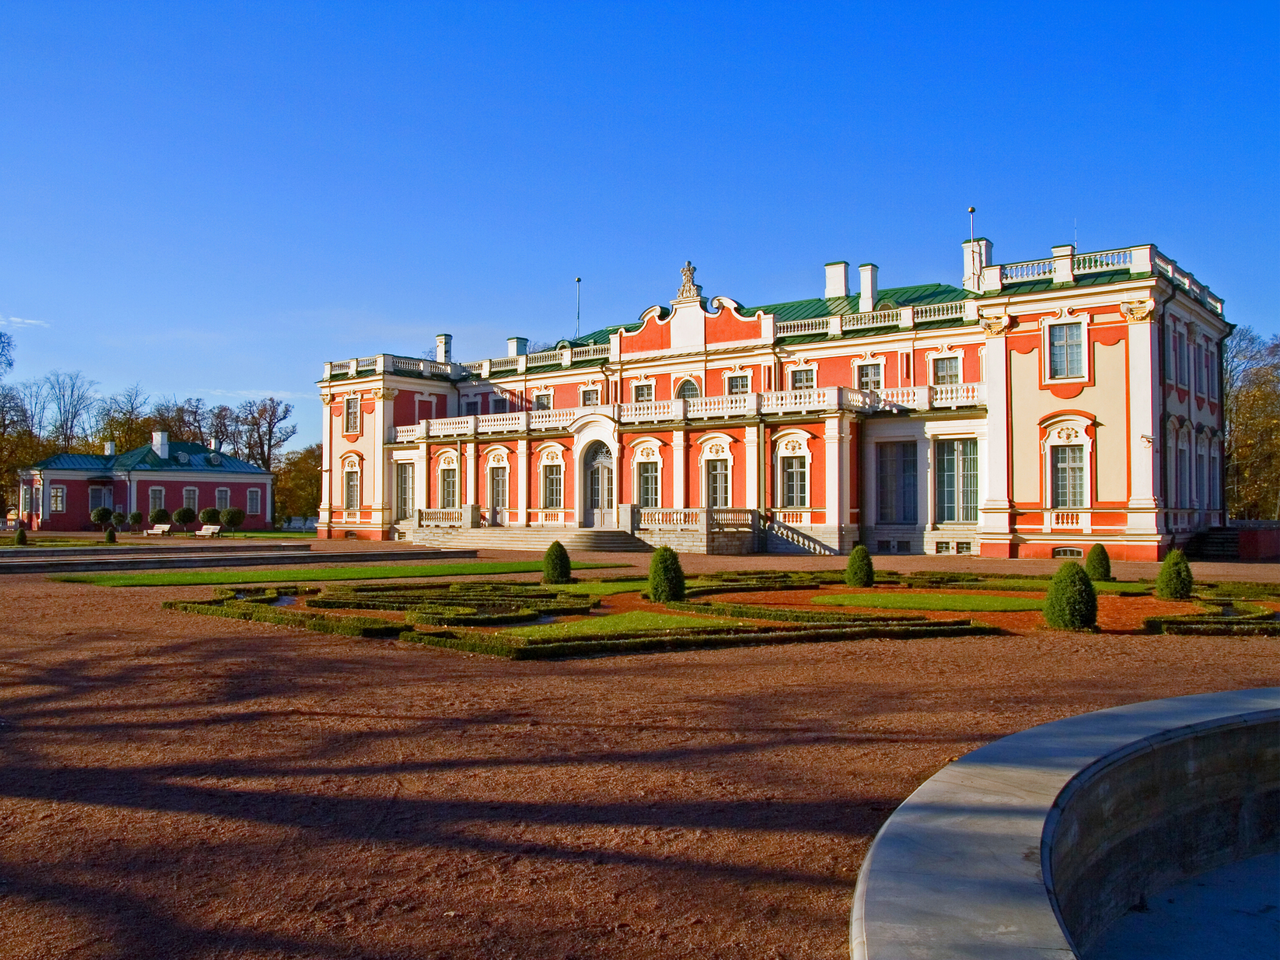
{"x": 688, "y": 390}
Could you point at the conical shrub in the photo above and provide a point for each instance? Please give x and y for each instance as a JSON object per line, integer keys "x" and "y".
{"x": 1174, "y": 581}
{"x": 111, "y": 535}
{"x": 20, "y": 538}
{"x": 666, "y": 576}
{"x": 1098, "y": 564}
{"x": 860, "y": 571}
{"x": 1071, "y": 603}
{"x": 555, "y": 564}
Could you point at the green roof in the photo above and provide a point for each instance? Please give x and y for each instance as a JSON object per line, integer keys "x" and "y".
{"x": 920, "y": 295}
{"x": 197, "y": 458}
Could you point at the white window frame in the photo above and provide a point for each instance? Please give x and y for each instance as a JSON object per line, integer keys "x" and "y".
{"x": 792, "y": 443}
{"x": 350, "y": 412}
{"x": 936, "y": 478}
{"x": 497, "y": 458}
{"x": 646, "y": 384}
{"x": 1063, "y": 317}
{"x": 1068, "y": 430}
{"x": 193, "y": 494}
{"x": 222, "y": 496}
{"x": 583, "y": 400}
{"x": 691, "y": 380}
{"x": 251, "y": 494}
{"x": 729, "y": 374}
{"x": 550, "y": 455}
{"x": 551, "y": 400}
{"x": 809, "y": 368}
{"x": 546, "y": 472}
{"x": 151, "y": 499}
{"x": 946, "y": 357}
{"x": 646, "y": 450}
{"x": 405, "y": 494}
{"x": 878, "y": 365}
{"x": 57, "y": 498}
{"x": 471, "y": 406}
{"x": 449, "y": 461}
{"x": 499, "y": 404}
{"x": 714, "y": 446}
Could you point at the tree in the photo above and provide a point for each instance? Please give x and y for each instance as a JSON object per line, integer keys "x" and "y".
{"x": 125, "y": 418}
{"x": 555, "y": 564}
{"x": 860, "y": 572}
{"x": 6, "y": 353}
{"x": 159, "y": 515}
{"x": 135, "y": 519}
{"x": 184, "y": 516}
{"x": 117, "y": 519}
{"x": 1251, "y": 412}
{"x": 1071, "y": 602}
{"x": 101, "y": 516}
{"x": 264, "y": 431}
{"x": 1174, "y": 581}
{"x": 232, "y": 517}
{"x": 211, "y": 516}
{"x": 297, "y": 486}
{"x": 72, "y": 401}
{"x": 1098, "y": 564}
{"x": 225, "y": 429}
{"x": 666, "y": 576}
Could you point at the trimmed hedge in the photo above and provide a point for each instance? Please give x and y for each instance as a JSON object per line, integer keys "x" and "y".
{"x": 666, "y": 576}
{"x": 259, "y": 611}
{"x": 1174, "y": 581}
{"x": 20, "y": 537}
{"x": 1098, "y": 564}
{"x": 860, "y": 571}
{"x": 752, "y": 612}
{"x": 555, "y": 564}
{"x": 1071, "y": 603}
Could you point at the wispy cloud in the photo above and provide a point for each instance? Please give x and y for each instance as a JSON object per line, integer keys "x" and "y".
{"x": 19, "y": 322}
{"x": 259, "y": 394}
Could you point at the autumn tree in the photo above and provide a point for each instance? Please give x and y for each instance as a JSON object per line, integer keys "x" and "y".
{"x": 72, "y": 402}
{"x": 265, "y": 433}
{"x": 125, "y": 418}
{"x": 1251, "y": 410}
{"x": 297, "y": 486}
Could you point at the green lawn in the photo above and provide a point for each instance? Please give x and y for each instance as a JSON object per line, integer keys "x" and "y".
{"x": 604, "y": 588}
{"x": 964, "y": 602}
{"x": 1102, "y": 586}
{"x": 189, "y": 578}
{"x": 616, "y": 623}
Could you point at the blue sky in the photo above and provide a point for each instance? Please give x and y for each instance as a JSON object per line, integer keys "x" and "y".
{"x": 215, "y": 198}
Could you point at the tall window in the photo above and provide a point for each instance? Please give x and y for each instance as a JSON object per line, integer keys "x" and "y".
{"x": 351, "y": 490}
{"x": 552, "y": 487}
{"x": 794, "y": 482}
{"x": 1201, "y": 499}
{"x": 896, "y": 473}
{"x": 1199, "y": 368}
{"x": 404, "y": 491}
{"x": 1184, "y": 477}
{"x": 946, "y": 370}
{"x": 868, "y": 376}
{"x": 802, "y": 379}
{"x": 647, "y": 474}
{"x": 222, "y": 496}
{"x": 1066, "y": 356}
{"x": 449, "y": 488}
{"x": 591, "y": 398}
{"x": 542, "y": 401}
{"x": 253, "y": 502}
{"x": 642, "y": 393}
{"x": 717, "y": 483}
{"x": 1211, "y": 372}
{"x": 190, "y": 496}
{"x": 156, "y": 495}
{"x": 688, "y": 390}
{"x": 1068, "y": 476}
{"x": 738, "y": 385}
{"x": 352, "y": 415}
{"x": 498, "y": 488}
{"x": 956, "y": 489}
{"x": 97, "y": 497}
{"x": 1215, "y": 482}
{"x": 57, "y": 499}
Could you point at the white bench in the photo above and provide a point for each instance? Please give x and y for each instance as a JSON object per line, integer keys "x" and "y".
{"x": 209, "y": 530}
{"x": 159, "y": 530}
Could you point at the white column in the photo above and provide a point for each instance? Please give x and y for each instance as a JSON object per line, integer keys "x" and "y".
{"x": 471, "y": 473}
{"x": 751, "y": 464}
{"x": 326, "y": 469}
{"x": 422, "y": 480}
{"x": 678, "y": 496}
{"x": 522, "y": 481}
{"x": 1145, "y": 399}
{"x": 994, "y": 455}
{"x": 836, "y": 510}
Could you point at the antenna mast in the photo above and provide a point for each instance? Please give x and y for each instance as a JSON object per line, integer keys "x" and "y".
{"x": 577, "y": 317}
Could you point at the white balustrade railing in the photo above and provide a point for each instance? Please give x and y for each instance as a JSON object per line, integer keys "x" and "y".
{"x": 791, "y": 328}
{"x": 502, "y": 422}
{"x": 660, "y": 410}
{"x": 476, "y": 366}
{"x": 543, "y": 358}
{"x": 874, "y": 318}
{"x": 679, "y": 518}
{"x": 504, "y": 363}
{"x": 957, "y": 395}
{"x": 1104, "y": 260}
{"x": 366, "y": 363}
{"x": 940, "y": 311}
{"x": 800, "y": 401}
{"x": 451, "y": 426}
{"x": 1022, "y": 272}
{"x": 594, "y": 352}
{"x": 549, "y": 419}
{"x": 408, "y": 434}
{"x": 440, "y": 518}
{"x": 900, "y": 397}
{"x": 1185, "y": 280}
{"x": 732, "y": 405}
{"x": 730, "y": 518}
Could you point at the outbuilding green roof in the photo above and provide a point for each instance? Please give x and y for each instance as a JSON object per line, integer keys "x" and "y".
{"x": 183, "y": 456}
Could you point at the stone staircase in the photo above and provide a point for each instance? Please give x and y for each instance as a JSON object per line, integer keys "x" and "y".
{"x": 533, "y": 539}
{"x": 1219, "y": 543}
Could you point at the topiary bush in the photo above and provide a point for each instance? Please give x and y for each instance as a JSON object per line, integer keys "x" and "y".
{"x": 111, "y": 535}
{"x": 20, "y": 538}
{"x": 1071, "y": 603}
{"x": 101, "y": 516}
{"x": 232, "y": 517}
{"x": 860, "y": 572}
{"x": 210, "y": 516}
{"x": 555, "y": 564}
{"x": 159, "y": 515}
{"x": 1174, "y": 581}
{"x": 135, "y": 519}
{"x": 1098, "y": 564}
{"x": 117, "y": 519}
{"x": 184, "y": 516}
{"x": 666, "y": 576}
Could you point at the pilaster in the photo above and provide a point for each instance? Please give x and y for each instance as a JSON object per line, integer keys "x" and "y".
{"x": 993, "y": 514}
{"x": 678, "y": 466}
{"x": 522, "y": 481}
{"x": 471, "y": 459}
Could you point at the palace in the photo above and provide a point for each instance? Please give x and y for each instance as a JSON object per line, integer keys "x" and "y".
{"x": 1031, "y": 411}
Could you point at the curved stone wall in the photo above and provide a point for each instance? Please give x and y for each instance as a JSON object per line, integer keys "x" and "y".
{"x": 960, "y": 868}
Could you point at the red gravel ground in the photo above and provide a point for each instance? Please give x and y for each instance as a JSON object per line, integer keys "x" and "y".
{"x": 189, "y": 787}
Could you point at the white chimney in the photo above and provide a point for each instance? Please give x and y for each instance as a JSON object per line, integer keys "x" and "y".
{"x": 444, "y": 348}
{"x": 977, "y": 254}
{"x": 870, "y": 276}
{"x": 837, "y": 279}
{"x": 109, "y": 448}
{"x": 160, "y": 444}
{"x": 215, "y": 445}
{"x": 517, "y": 346}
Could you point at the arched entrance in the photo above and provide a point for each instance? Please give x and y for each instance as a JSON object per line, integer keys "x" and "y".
{"x": 597, "y": 507}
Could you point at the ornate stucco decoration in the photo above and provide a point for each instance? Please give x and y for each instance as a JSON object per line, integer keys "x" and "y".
{"x": 793, "y": 447}
{"x": 997, "y": 326}
{"x": 688, "y": 289}
{"x": 1135, "y": 311}
{"x": 326, "y": 396}
{"x": 647, "y": 452}
{"x": 385, "y": 393}
{"x": 1067, "y": 434}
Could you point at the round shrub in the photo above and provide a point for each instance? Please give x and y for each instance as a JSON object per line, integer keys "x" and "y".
{"x": 159, "y": 515}
{"x": 135, "y": 519}
{"x": 1071, "y": 603}
{"x": 555, "y": 564}
{"x": 210, "y": 516}
{"x": 184, "y": 516}
{"x": 666, "y": 576}
{"x": 860, "y": 572}
{"x": 1098, "y": 564}
{"x": 117, "y": 519}
{"x": 20, "y": 538}
{"x": 101, "y": 516}
{"x": 1174, "y": 581}
{"x": 111, "y": 535}
{"x": 232, "y": 517}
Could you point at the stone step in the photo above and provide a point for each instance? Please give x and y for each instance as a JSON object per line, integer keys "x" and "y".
{"x": 529, "y": 538}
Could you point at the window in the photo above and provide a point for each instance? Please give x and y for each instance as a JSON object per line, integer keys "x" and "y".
{"x": 868, "y": 376}
{"x": 498, "y": 405}
{"x": 542, "y": 401}
{"x": 591, "y": 398}
{"x": 57, "y": 499}
{"x": 156, "y": 497}
{"x": 253, "y": 502}
{"x": 552, "y": 487}
{"x": 352, "y": 418}
{"x": 1215, "y": 481}
{"x": 738, "y": 385}
{"x": 956, "y": 483}
{"x": 946, "y": 370}
{"x": 1199, "y": 368}
{"x": 96, "y": 498}
{"x": 471, "y": 408}
{"x": 1184, "y": 477}
{"x": 26, "y": 500}
{"x": 642, "y": 393}
{"x": 688, "y": 390}
{"x": 1211, "y": 372}
{"x": 1066, "y": 358}
{"x": 1068, "y": 476}
{"x": 896, "y": 473}
{"x": 802, "y": 379}
{"x": 717, "y": 483}
{"x": 449, "y": 488}
{"x": 1063, "y": 553}
{"x": 794, "y": 492}
{"x": 942, "y": 546}
{"x": 1201, "y": 500}
{"x": 404, "y": 491}
{"x": 351, "y": 490}
{"x": 222, "y": 496}
{"x": 647, "y": 474}
{"x": 190, "y": 498}
{"x": 498, "y": 488}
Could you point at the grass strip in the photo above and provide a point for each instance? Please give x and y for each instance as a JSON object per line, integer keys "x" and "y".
{"x": 614, "y": 624}
{"x": 191, "y": 578}
{"x": 752, "y": 612}
{"x": 963, "y": 602}
{"x": 1116, "y": 587}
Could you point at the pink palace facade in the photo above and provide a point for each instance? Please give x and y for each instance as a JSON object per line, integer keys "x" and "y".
{"x": 1031, "y": 411}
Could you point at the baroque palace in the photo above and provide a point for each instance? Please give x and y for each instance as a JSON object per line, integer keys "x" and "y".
{"x": 1034, "y": 410}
